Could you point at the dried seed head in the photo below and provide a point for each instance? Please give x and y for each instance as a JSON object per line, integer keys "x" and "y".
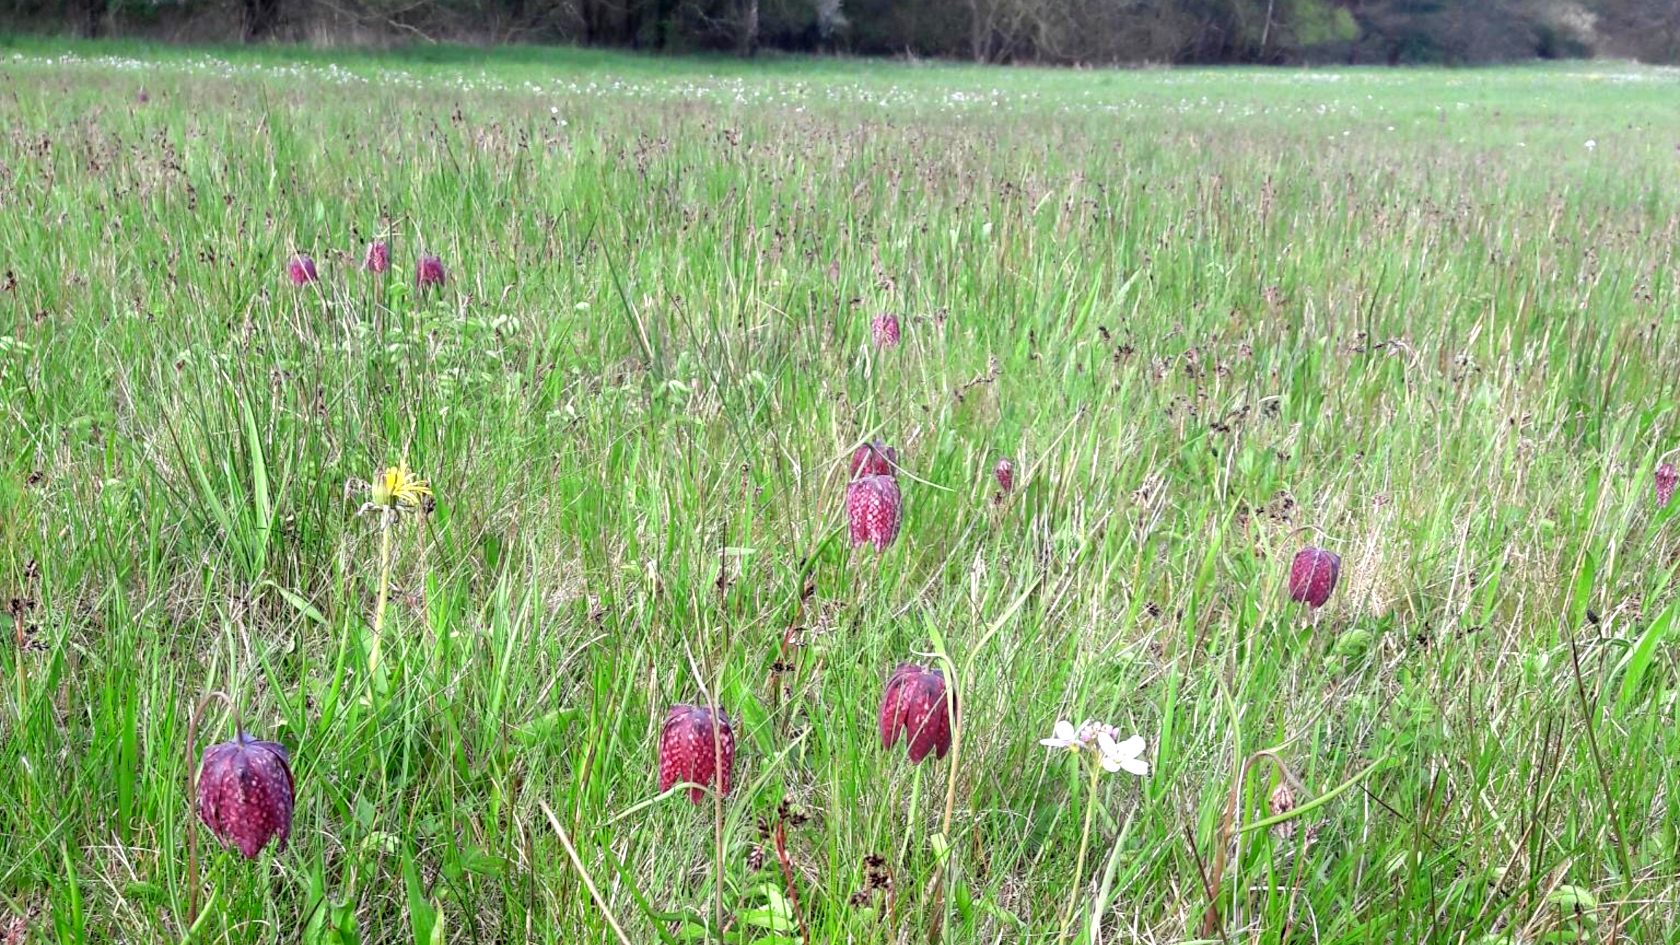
{"x": 245, "y": 793}
{"x": 874, "y": 511}
{"x": 1312, "y": 576}
{"x": 687, "y": 753}
{"x": 914, "y": 705}
{"x": 874, "y": 459}
{"x": 429, "y": 272}
{"x": 1667, "y": 477}
{"x": 301, "y": 270}
{"x": 884, "y": 329}
{"x": 378, "y": 258}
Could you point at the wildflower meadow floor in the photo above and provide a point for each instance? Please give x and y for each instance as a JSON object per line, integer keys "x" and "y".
{"x": 1425, "y": 320}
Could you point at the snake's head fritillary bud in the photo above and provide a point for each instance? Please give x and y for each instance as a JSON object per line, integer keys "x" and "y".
{"x": 1667, "y": 477}
{"x": 1282, "y": 801}
{"x": 378, "y": 258}
{"x": 874, "y": 459}
{"x": 245, "y": 793}
{"x": 1005, "y": 473}
{"x": 884, "y": 329}
{"x": 1312, "y": 576}
{"x": 914, "y": 706}
{"x": 687, "y": 752}
{"x": 873, "y": 511}
{"x": 429, "y": 272}
{"x": 301, "y": 270}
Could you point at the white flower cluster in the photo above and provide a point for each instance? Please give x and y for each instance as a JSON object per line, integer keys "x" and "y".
{"x": 1115, "y": 753}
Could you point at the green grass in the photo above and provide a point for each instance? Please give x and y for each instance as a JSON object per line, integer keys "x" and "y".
{"x": 1214, "y": 315}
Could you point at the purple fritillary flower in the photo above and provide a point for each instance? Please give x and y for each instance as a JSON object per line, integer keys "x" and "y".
{"x": 686, "y": 752}
{"x": 1005, "y": 473}
{"x": 301, "y": 270}
{"x": 914, "y": 706}
{"x": 884, "y": 329}
{"x": 378, "y": 258}
{"x": 874, "y": 511}
{"x": 874, "y": 459}
{"x": 1312, "y": 575}
{"x": 429, "y": 272}
{"x": 1667, "y": 478}
{"x": 245, "y": 793}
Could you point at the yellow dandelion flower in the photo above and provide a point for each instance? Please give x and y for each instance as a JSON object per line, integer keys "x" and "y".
{"x": 397, "y": 485}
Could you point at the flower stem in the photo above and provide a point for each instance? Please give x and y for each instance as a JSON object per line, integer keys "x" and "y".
{"x": 192, "y": 796}
{"x": 952, "y": 686}
{"x": 22, "y": 676}
{"x": 1084, "y": 845}
{"x": 384, "y": 593}
{"x": 22, "y": 648}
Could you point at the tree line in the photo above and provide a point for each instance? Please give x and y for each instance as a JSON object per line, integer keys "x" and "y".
{"x": 1068, "y": 32}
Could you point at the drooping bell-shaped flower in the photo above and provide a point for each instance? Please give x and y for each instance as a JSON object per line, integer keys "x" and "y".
{"x": 245, "y": 793}
{"x": 914, "y": 706}
{"x": 874, "y": 511}
{"x": 874, "y": 459}
{"x": 1667, "y": 477}
{"x": 884, "y": 329}
{"x": 428, "y": 272}
{"x": 687, "y": 752}
{"x": 378, "y": 258}
{"x": 301, "y": 270}
{"x": 1312, "y": 575}
{"x": 1004, "y": 471}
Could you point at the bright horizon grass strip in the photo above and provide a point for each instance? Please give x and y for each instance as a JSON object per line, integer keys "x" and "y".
{"x": 1205, "y": 311}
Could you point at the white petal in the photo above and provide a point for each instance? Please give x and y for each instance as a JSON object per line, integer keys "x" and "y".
{"x": 1111, "y": 763}
{"x": 1065, "y": 730}
{"x": 1135, "y": 766}
{"x": 1131, "y": 747}
{"x": 1105, "y": 743}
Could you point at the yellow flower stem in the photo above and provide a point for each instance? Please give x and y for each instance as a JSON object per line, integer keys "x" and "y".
{"x": 1084, "y": 845}
{"x": 374, "y": 667}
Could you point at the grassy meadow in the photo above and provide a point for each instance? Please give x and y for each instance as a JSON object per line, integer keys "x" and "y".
{"x": 1424, "y": 319}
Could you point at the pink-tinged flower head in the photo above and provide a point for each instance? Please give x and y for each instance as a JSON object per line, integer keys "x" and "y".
{"x": 245, "y": 793}
{"x": 1005, "y": 473}
{"x": 428, "y": 272}
{"x": 301, "y": 270}
{"x": 915, "y": 707}
{"x": 884, "y": 329}
{"x": 378, "y": 257}
{"x": 874, "y": 459}
{"x": 874, "y": 510}
{"x": 1667, "y": 478}
{"x": 1313, "y": 575}
{"x": 1104, "y": 744}
{"x": 686, "y": 751}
